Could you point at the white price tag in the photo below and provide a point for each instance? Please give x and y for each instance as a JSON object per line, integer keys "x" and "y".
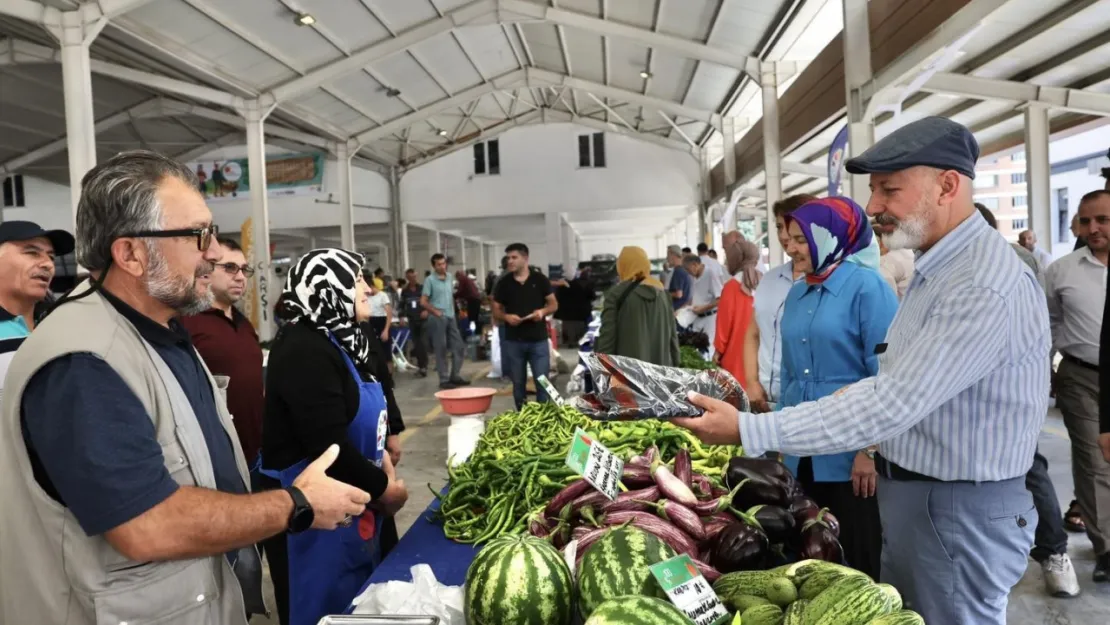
{"x": 549, "y": 388}
{"x": 689, "y": 591}
{"x": 596, "y": 464}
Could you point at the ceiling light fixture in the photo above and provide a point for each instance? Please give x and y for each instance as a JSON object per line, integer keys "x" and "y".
{"x": 441, "y": 132}
{"x": 304, "y": 19}
{"x": 645, "y": 74}
{"x": 392, "y": 92}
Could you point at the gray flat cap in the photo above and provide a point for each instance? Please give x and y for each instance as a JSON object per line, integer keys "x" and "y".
{"x": 933, "y": 142}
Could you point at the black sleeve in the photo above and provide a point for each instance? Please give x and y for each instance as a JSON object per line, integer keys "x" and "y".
{"x": 545, "y": 285}
{"x": 499, "y": 291}
{"x": 313, "y": 382}
{"x": 1104, "y": 370}
{"x": 380, "y": 360}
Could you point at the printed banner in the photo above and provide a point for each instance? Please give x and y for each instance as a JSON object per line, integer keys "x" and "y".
{"x": 836, "y": 160}
{"x": 250, "y": 297}
{"x": 289, "y": 174}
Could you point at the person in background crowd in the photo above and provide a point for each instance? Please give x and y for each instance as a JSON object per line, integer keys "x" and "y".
{"x": 1076, "y": 289}
{"x": 469, "y": 293}
{"x": 712, "y": 254}
{"x": 576, "y": 300}
{"x": 227, "y": 342}
{"x": 491, "y": 279}
{"x": 1104, "y": 375}
{"x": 124, "y": 483}
{"x": 438, "y": 298}
{"x": 417, "y": 318}
{"x": 831, "y": 326}
{"x": 379, "y": 279}
{"x": 523, "y": 301}
{"x": 1028, "y": 240}
{"x": 704, "y": 295}
{"x": 737, "y": 305}
{"x": 681, "y": 285}
{"x": 762, "y": 342}
{"x": 955, "y": 511}
{"x": 321, "y": 392}
{"x": 686, "y": 251}
{"x": 637, "y": 320}
{"x": 1050, "y": 542}
{"x": 1080, "y": 240}
{"x": 896, "y": 266}
{"x": 27, "y": 255}
{"x": 668, "y": 269}
{"x": 381, "y": 315}
{"x": 711, "y": 263}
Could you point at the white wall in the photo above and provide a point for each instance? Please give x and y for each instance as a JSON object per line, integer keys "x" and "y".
{"x": 1078, "y": 182}
{"x": 590, "y": 247}
{"x": 540, "y": 174}
{"x": 46, "y": 203}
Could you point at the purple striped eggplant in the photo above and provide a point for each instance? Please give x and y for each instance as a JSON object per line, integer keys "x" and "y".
{"x": 667, "y": 532}
{"x": 586, "y": 540}
{"x": 715, "y": 524}
{"x": 562, "y": 498}
{"x": 633, "y": 500}
{"x": 682, "y": 517}
{"x": 713, "y": 506}
{"x": 708, "y": 572}
{"x": 646, "y": 458}
{"x": 671, "y": 487}
{"x": 592, "y": 498}
{"x": 683, "y": 469}
{"x": 703, "y": 488}
{"x": 637, "y": 476}
{"x": 538, "y": 527}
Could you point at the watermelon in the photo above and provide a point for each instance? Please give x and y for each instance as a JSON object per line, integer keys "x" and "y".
{"x": 858, "y": 608}
{"x": 518, "y": 580}
{"x": 617, "y": 565}
{"x": 901, "y": 617}
{"x": 767, "y": 614}
{"x": 636, "y": 611}
{"x": 833, "y": 595}
{"x": 895, "y": 596}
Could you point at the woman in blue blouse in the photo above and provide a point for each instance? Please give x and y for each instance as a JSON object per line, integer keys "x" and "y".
{"x": 832, "y": 322}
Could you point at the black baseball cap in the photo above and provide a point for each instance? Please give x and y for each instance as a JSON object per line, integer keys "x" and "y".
{"x": 933, "y": 141}
{"x": 26, "y": 230}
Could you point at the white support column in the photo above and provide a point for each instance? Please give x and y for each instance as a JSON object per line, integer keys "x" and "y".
{"x": 260, "y": 218}
{"x": 398, "y": 229}
{"x": 434, "y": 246}
{"x": 728, "y": 138}
{"x": 857, "y": 72}
{"x": 772, "y": 154}
{"x": 1037, "y": 172}
{"x": 406, "y": 260}
{"x": 462, "y": 253}
{"x": 553, "y": 229}
{"x": 482, "y": 263}
{"x": 346, "y": 203}
{"x": 75, "y": 36}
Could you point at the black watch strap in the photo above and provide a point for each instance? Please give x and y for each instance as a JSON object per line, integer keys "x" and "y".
{"x": 302, "y": 516}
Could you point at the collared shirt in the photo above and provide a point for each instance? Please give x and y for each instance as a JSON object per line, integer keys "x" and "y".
{"x": 230, "y": 347}
{"x": 13, "y": 329}
{"x": 962, "y": 388}
{"x": 712, "y": 264}
{"x": 441, "y": 293}
{"x": 706, "y": 288}
{"x": 681, "y": 280}
{"x": 1076, "y": 289}
{"x": 770, "y": 299}
{"x": 897, "y": 268}
{"x": 1044, "y": 259}
{"x": 410, "y": 301}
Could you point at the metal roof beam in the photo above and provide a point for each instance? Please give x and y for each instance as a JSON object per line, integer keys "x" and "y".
{"x": 170, "y": 108}
{"x": 366, "y": 56}
{"x": 231, "y": 138}
{"x": 1063, "y": 98}
{"x": 684, "y": 47}
{"x": 163, "y": 83}
{"x": 589, "y": 122}
{"x": 23, "y": 9}
{"x": 804, "y": 169}
{"x": 484, "y": 135}
{"x": 670, "y": 106}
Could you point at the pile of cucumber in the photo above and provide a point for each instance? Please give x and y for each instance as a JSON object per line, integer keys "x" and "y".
{"x": 812, "y": 592}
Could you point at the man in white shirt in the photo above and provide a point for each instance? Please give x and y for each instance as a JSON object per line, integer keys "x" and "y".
{"x": 712, "y": 264}
{"x": 1076, "y": 289}
{"x": 381, "y": 313}
{"x": 704, "y": 296}
{"x": 1028, "y": 240}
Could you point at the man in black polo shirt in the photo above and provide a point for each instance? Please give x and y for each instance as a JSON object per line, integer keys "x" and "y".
{"x": 522, "y": 301}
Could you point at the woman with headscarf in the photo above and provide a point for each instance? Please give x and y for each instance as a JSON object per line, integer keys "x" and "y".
{"x": 321, "y": 390}
{"x": 737, "y": 304}
{"x": 832, "y": 324}
{"x": 637, "y": 319}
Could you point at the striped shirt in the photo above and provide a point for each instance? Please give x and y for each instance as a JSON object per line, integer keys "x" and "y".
{"x": 962, "y": 388}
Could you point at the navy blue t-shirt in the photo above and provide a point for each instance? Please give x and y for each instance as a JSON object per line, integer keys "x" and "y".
{"x": 92, "y": 444}
{"x": 681, "y": 281}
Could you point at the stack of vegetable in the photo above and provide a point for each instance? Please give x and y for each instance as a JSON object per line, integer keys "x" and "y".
{"x": 812, "y": 592}
{"x": 692, "y": 359}
{"x": 694, "y": 338}
{"x": 519, "y": 464}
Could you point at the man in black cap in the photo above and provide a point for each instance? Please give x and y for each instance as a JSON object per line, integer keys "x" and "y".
{"x": 958, "y": 403}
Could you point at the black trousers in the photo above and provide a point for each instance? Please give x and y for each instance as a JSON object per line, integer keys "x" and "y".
{"x": 861, "y": 532}
{"x": 474, "y": 314}
{"x": 418, "y": 338}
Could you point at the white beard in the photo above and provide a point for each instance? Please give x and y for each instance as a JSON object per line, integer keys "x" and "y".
{"x": 910, "y": 234}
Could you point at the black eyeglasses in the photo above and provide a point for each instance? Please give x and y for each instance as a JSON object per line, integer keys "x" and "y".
{"x": 204, "y": 235}
{"x": 232, "y": 269}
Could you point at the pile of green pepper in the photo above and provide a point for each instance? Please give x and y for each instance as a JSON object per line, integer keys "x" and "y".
{"x": 519, "y": 465}
{"x": 691, "y": 359}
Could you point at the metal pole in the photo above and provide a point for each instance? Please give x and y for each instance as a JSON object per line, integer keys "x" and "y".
{"x": 77, "y": 90}
{"x": 857, "y": 71}
{"x": 406, "y": 260}
{"x": 1037, "y": 181}
{"x": 462, "y": 253}
{"x": 728, "y": 137}
{"x": 398, "y": 228}
{"x": 260, "y": 217}
{"x": 772, "y": 154}
{"x": 346, "y": 203}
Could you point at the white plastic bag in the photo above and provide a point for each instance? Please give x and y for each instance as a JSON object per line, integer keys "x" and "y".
{"x": 424, "y": 596}
{"x": 495, "y": 354}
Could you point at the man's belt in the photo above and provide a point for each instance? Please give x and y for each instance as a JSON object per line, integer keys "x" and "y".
{"x": 1081, "y": 363}
{"x": 894, "y": 472}
{"x": 707, "y": 314}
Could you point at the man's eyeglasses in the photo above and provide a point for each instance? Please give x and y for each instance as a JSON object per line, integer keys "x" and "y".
{"x": 204, "y": 235}
{"x": 232, "y": 269}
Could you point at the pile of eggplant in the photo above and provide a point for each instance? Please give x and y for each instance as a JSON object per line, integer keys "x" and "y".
{"x": 760, "y": 521}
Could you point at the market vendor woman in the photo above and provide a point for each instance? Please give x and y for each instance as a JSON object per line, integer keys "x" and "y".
{"x": 321, "y": 391}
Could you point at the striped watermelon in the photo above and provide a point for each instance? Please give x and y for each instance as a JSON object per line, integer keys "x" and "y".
{"x": 518, "y": 580}
{"x": 637, "y": 611}
{"x": 617, "y": 566}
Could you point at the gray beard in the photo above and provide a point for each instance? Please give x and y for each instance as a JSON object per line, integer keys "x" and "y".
{"x": 176, "y": 292}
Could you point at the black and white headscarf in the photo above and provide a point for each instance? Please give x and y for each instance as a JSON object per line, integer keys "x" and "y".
{"x": 320, "y": 291}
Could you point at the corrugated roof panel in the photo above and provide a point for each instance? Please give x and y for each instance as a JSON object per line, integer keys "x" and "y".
{"x": 350, "y": 21}
{"x": 401, "y": 16}
{"x": 489, "y": 48}
{"x": 585, "y": 54}
{"x": 641, "y": 14}
{"x": 742, "y": 25}
{"x": 364, "y": 89}
{"x": 711, "y": 86}
{"x": 670, "y": 76}
{"x": 402, "y": 72}
{"x": 543, "y": 41}
{"x": 445, "y": 59}
{"x": 689, "y": 19}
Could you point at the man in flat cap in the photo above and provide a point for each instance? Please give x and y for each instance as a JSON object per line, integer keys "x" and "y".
{"x": 958, "y": 402}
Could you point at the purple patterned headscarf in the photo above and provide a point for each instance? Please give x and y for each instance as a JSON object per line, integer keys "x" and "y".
{"x": 837, "y": 231}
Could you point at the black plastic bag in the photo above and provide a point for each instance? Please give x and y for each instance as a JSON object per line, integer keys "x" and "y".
{"x": 627, "y": 389}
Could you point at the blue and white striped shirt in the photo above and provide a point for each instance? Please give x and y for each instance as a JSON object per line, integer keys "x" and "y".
{"x": 962, "y": 388}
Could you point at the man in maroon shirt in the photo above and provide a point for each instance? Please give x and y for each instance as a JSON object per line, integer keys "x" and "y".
{"x": 229, "y": 346}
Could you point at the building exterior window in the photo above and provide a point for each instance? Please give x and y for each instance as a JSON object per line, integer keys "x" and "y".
{"x": 1020, "y": 200}
{"x": 1017, "y": 178}
{"x": 487, "y": 157}
{"x": 1018, "y": 224}
{"x": 985, "y": 181}
{"x": 13, "y": 192}
{"x": 989, "y": 202}
{"x": 591, "y": 150}
{"x": 1018, "y": 156}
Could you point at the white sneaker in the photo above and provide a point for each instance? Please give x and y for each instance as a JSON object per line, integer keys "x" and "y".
{"x": 1059, "y": 576}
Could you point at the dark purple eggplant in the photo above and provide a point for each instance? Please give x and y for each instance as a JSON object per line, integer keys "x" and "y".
{"x": 717, "y": 491}
{"x": 671, "y": 487}
{"x": 637, "y": 476}
{"x": 819, "y": 543}
{"x": 683, "y": 469}
{"x": 638, "y": 500}
{"x": 708, "y": 572}
{"x": 741, "y": 468}
{"x": 568, "y": 494}
{"x": 560, "y": 536}
{"x": 821, "y": 517}
{"x": 716, "y": 523}
{"x": 754, "y": 492}
{"x": 739, "y": 547}
{"x": 799, "y": 506}
{"x": 777, "y": 522}
{"x": 667, "y": 532}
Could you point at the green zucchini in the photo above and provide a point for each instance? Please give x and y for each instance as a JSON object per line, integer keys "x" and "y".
{"x": 901, "y": 617}
{"x": 795, "y": 613}
{"x": 895, "y": 596}
{"x": 739, "y": 603}
{"x": 762, "y": 615}
{"x": 833, "y": 595}
{"x": 860, "y": 607}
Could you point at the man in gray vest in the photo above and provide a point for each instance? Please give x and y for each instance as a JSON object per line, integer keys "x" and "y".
{"x": 124, "y": 486}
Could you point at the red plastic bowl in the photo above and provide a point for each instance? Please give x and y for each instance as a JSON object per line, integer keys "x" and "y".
{"x": 461, "y": 402}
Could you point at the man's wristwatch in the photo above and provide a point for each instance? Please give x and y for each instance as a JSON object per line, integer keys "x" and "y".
{"x": 302, "y": 516}
{"x": 870, "y": 453}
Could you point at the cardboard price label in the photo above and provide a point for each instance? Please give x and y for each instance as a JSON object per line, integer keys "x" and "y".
{"x": 549, "y": 388}
{"x": 689, "y": 591}
{"x": 596, "y": 464}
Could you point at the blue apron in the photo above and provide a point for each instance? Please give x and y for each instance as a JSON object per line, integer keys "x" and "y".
{"x": 328, "y": 568}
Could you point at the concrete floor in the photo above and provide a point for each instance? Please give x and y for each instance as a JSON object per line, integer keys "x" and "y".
{"x": 425, "y": 453}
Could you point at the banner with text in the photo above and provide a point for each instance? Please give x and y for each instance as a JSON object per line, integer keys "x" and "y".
{"x": 288, "y": 174}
